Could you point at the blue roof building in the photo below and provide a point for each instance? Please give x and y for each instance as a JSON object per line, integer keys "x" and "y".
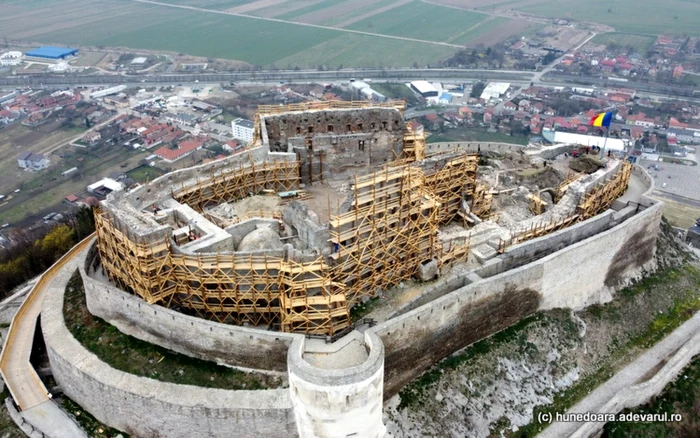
{"x": 50, "y": 52}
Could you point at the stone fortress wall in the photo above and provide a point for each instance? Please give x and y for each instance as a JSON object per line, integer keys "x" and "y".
{"x": 573, "y": 267}
{"x": 144, "y": 407}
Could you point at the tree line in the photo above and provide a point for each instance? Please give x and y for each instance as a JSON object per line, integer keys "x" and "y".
{"x": 33, "y": 255}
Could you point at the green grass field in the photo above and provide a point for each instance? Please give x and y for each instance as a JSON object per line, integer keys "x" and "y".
{"x": 366, "y": 51}
{"x": 209, "y": 4}
{"x": 112, "y": 23}
{"x": 143, "y": 174}
{"x": 640, "y": 43}
{"x": 339, "y": 18}
{"x": 311, "y": 8}
{"x": 644, "y": 17}
{"x": 396, "y": 91}
{"x": 477, "y": 30}
{"x": 420, "y": 20}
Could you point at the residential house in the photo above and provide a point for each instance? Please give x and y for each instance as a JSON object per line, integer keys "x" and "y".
{"x": 183, "y": 149}
{"x": 488, "y": 115}
{"x": 524, "y": 105}
{"x": 640, "y": 119}
{"x": 183, "y": 119}
{"x": 465, "y": 113}
{"x": 510, "y": 106}
{"x": 678, "y": 72}
{"x": 434, "y": 120}
{"x": 636, "y": 132}
{"x": 232, "y": 146}
{"x": 32, "y": 161}
{"x": 92, "y": 136}
{"x": 415, "y": 126}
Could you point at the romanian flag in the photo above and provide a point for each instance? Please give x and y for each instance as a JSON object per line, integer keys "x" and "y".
{"x": 602, "y": 119}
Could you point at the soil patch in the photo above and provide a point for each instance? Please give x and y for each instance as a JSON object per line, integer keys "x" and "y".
{"x": 587, "y": 164}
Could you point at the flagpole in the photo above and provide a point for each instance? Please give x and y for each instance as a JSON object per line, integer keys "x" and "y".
{"x": 605, "y": 142}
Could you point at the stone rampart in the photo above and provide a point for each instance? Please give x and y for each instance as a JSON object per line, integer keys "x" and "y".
{"x": 472, "y": 147}
{"x": 208, "y": 340}
{"x": 581, "y": 274}
{"x": 149, "y": 408}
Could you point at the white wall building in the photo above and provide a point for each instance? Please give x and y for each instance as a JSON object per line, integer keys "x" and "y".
{"x": 30, "y": 160}
{"x": 108, "y": 91}
{"x": 10, "y": 58}
{"x": 494, "y": 90}
{"x": 424, "y": 88}
{"x": 105, "y": 186}
{"x": 242, "y": 129}
{"x": 614, "y": 144}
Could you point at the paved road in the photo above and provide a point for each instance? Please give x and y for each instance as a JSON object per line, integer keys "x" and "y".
{"x": 634, "y": 373}
{"x": 676, "y": 198}
{"x": 680, "y": 179}
{"x": 21, "y": 378}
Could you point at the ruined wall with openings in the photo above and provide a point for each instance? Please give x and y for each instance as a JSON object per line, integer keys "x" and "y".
{"x": 331, "y": 142}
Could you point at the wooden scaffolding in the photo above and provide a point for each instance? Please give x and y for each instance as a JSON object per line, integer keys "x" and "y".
{"x": 413, "y": 145}
{"x": 229, "y": 288}
{"x": 310, "y": 301}
{"x": 597, "y": 200}
{"x": 390, "y": 229}
{"x": 277, "y": 176}
{"x": 602, "y": 196}
{"x": 452, "y": 183}
{"x": 482, "y": 201}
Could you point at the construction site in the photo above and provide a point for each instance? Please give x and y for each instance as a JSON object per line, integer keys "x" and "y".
{"x": 331, "y": 205}
{"x": 341, "y": 255}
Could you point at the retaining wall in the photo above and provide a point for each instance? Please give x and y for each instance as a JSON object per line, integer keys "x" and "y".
{"x": 579, "y": 275}
{"x": 148, "y": 408}
{"x": 222, "y": 343}
{"x": 472, "y": 146}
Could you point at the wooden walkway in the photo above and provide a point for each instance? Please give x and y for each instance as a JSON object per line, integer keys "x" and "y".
{"x": 21, "y": 378}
